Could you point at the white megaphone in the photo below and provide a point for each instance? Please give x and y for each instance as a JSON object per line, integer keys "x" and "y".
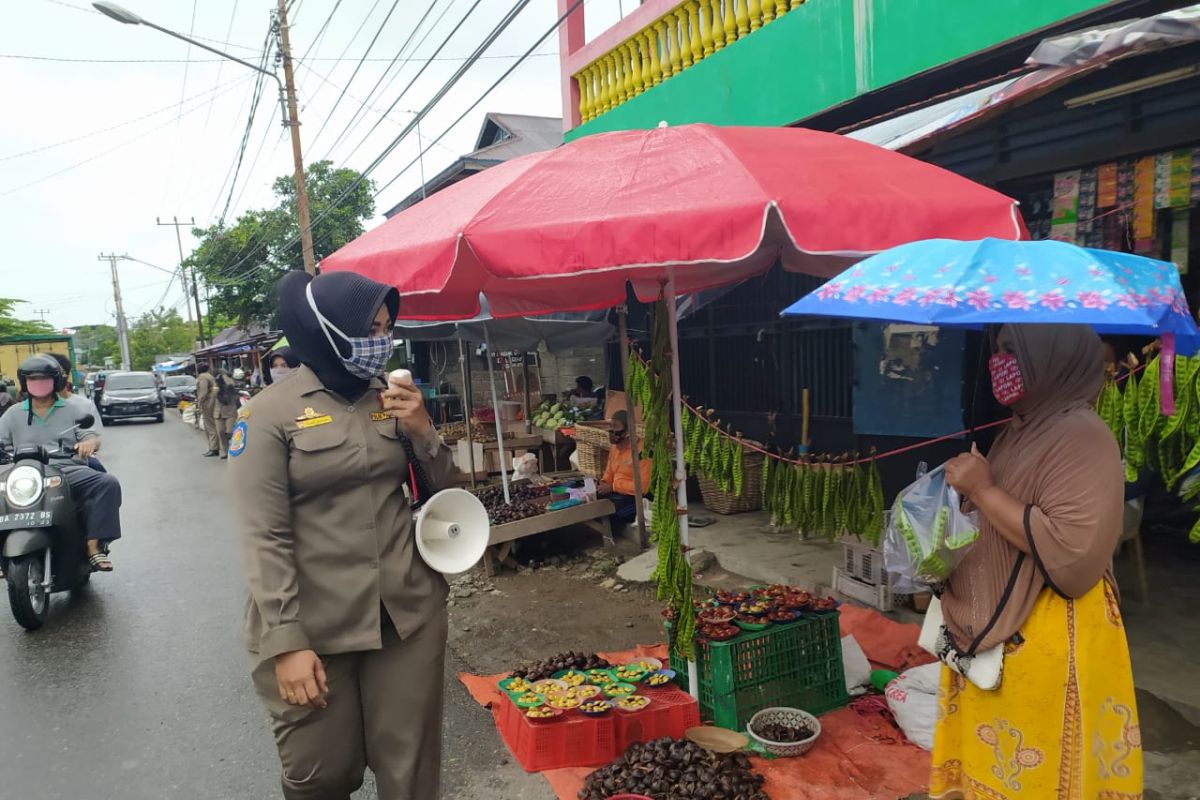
{"x": 452, "y": 531}
{"x": 452, "y": 526}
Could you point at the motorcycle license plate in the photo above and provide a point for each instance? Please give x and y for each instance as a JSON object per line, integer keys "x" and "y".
{"x": 25, "y": 519}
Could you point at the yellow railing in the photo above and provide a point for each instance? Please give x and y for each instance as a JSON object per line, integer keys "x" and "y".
{"x": 690, "y": 33}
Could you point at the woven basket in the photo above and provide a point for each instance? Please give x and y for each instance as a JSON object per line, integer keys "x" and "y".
{"x": 596, "y": 433}
{"x": 785, "y": 716}
{"x": 721, "y": 502}
{"x": 593, "y": 460}
{"x": 593, "y": 433}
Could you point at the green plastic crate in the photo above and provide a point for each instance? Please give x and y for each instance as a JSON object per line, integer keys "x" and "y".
{"x": 798, "y": 665}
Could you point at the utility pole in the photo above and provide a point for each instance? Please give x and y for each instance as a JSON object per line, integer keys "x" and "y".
{"x": 122, "y": 328}
{"x": 293, "y": 122}
{"x": 196, "y": 329}
{"x": 41, "y": 312}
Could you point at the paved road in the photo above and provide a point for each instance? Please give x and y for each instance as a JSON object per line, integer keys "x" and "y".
{"x": 137, "y": 688}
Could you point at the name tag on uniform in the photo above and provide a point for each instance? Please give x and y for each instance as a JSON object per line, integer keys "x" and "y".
{"x": 380, "y": 416}
{"x": 314, "y": 421}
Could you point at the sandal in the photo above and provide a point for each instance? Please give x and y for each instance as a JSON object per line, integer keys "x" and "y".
{"x": 101, "y": 563}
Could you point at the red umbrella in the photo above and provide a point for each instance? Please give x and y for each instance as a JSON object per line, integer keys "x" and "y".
{"x": 675, "y": 210}
{"x": 566, "y": 229}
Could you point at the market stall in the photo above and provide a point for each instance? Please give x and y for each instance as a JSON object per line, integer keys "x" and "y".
{"x": 532, "y": 509}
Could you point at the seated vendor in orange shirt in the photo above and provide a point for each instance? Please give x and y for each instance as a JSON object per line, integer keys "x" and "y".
{"x": 617, "y": 483}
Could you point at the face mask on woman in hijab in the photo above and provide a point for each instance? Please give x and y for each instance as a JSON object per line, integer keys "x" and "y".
{"x": 282, "y": 364}
{"x": 368, "y": 354}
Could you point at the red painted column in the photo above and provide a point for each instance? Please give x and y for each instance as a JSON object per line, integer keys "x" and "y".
{"x": 570, "y": 39}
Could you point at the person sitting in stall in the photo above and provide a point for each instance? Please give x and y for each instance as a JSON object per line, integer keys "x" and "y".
{"x": 617, "y": 483}
{"x": 584, "y": 389}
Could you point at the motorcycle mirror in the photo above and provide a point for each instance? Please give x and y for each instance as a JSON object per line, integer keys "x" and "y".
{"x": 86, "y": 422}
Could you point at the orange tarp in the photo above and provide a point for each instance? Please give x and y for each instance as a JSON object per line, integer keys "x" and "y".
{"x": 860, "y": 756}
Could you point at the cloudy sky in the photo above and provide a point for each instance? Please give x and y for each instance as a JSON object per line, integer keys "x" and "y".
{"x": 104, "y": 127}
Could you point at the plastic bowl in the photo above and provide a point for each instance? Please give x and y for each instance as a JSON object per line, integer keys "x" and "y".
{"x": 785, "y": 716}
{"x": 529, "y": 702}
{"x": 629, "y": 673}
{"x": 669, "y": 683}
{"x": 648, "y": 664}
{"x": 549, "y": 685}
{"x": 752, "y": 626}
{"x": 579, "y": 677}
{"x": 597, "y": 711}
{"x": 600, "y": 677}
{"x": 507, "y": 684}
{"x": 642, "y": 701}
{"x": 619, "y": 690}
{"x": 555, "y": 714}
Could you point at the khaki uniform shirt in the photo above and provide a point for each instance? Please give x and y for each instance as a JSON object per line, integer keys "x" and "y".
{"x": 325, "y": 525}
{"x": 206, "y": 391}
{"x": 226, "y": 410}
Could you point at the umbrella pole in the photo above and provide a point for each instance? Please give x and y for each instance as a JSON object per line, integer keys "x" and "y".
{"x": 496, "y": 410}
{"x": 643, "y": 539}
{"x": 464, "y": 364}
{"x": 680, "y": 468}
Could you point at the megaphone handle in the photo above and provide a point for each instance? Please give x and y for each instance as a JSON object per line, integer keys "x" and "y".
{"x": 422, "y": 487}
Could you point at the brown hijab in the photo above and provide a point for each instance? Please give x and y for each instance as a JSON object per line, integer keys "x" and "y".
{"x": 1058, "y": 457}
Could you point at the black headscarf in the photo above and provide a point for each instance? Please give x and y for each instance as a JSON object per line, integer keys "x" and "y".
{"x": 347, "y": 300}
{"x": 286, "y": 353}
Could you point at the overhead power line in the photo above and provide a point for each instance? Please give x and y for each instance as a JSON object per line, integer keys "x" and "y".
{"x": 72, "y": 60}
{"x": 371, "y": 94}
{"x": 357, "y": 67}
{"x": 417, "y": 77}
{"x": 103, "y": 153}
{"x": 119, "y": 125}
{"x": 495, "y": 33}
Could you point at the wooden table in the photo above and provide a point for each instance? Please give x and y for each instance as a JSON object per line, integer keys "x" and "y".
{"x": 594, "y": 515}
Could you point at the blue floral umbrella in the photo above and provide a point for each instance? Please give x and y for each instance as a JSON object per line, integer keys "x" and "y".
{"x": 972, "y": 284}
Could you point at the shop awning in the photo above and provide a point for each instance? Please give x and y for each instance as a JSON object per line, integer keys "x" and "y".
{"x": 1053, "y": 64}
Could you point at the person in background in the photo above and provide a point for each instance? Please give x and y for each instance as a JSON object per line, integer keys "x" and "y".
{"x": 226, "y": 409}
{"x": 68, "y": 390}
{"x": 1063, "y": 721}
{"x": 617, "y": 483}
{"x": 346, "y": 623}
{"x": 206, "y": 405}
{"x": 281, "y": 364}
{"x": 7, "y": 401}
{"x": 45, "y": 419}
{"x": 585, "y": 388}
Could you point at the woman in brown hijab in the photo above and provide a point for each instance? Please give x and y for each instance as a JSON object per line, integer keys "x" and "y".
{"x": 1063, "y": 722}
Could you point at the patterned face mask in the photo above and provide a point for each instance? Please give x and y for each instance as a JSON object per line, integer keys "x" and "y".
{"x": 368, "y": 354}
{"x": 1008, "y": 385}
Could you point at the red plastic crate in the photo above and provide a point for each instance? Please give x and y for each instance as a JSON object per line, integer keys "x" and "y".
{"x": 575, "y": 740}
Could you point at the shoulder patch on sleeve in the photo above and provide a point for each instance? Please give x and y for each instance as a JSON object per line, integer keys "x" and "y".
{"x": 237, "y": 439}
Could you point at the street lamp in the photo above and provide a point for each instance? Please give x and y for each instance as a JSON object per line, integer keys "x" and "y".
{"x": 287, "y": 105}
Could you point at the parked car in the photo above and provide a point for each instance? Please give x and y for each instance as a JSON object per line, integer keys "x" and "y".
{"x": 128, "y": 395}
{"x": 89, "y": 383}
{"x": 175, "y": 387}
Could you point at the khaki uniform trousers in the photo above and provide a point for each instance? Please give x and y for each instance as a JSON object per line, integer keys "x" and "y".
{"x": 210, "y": 427}
{"x": 385, "y": 712}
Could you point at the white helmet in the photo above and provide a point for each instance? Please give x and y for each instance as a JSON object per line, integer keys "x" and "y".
{"x": 239, "y": 374}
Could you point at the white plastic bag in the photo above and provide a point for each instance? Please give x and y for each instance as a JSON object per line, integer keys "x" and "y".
{"x": 927, "y": 534}
{"x": 913, "y": 699}
{"x": 525, "y": 467}
{"x": 855, "y": 665}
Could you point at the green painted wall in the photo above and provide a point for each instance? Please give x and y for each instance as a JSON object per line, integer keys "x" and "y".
{"x": 827, "y": 52}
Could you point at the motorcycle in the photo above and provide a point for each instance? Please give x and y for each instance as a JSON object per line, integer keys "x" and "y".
{"x": 43, "y": 541}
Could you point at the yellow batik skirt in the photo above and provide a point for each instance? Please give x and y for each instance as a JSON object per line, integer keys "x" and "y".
{"x": 1063, "y": 724}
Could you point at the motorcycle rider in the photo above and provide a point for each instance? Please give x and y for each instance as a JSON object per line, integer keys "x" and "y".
{"x": 45, "y": 419}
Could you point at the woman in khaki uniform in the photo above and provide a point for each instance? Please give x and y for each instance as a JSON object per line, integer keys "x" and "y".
{"x": 346, "y": 622}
